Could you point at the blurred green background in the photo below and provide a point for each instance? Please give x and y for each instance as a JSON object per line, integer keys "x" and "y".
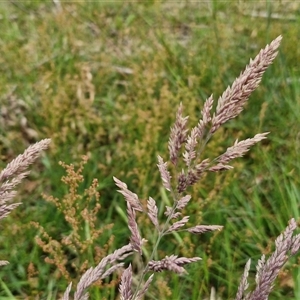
{"x": 104, "y": 79}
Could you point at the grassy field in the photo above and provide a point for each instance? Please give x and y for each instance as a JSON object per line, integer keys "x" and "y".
{"x": 104, "y": 80}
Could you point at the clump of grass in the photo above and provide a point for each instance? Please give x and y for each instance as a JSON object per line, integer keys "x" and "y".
{"x": 186, "y": 150}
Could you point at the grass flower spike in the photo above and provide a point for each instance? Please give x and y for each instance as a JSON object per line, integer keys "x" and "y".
{"x": 186, "y": 165}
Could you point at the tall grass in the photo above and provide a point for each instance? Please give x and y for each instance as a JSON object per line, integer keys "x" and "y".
{"x": 144, "y": 61}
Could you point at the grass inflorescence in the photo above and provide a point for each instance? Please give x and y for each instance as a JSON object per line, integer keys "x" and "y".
{"x": 106, "y": 80}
